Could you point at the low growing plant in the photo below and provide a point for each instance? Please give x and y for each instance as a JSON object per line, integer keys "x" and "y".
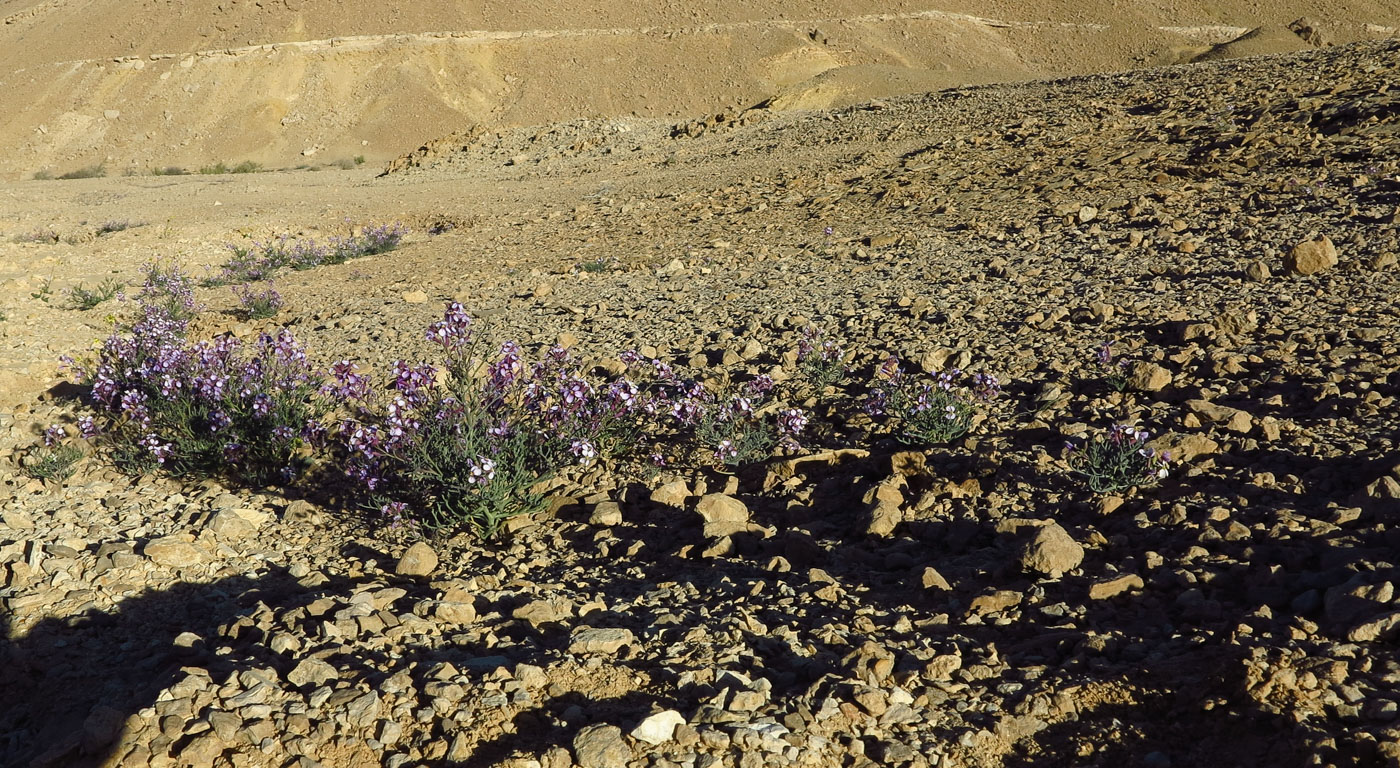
{"x": 820, "y": 360}
{"x": 116, "y": 225}
{"x": 169, "y": 289}
{"x": 461, "y": 449}
{"x": 41, "y": 235}
{"x": 257, "y": 305}
{"x": 1113, "y": 372}
{"x": 88, "y": 172}
{"x": 262, "y": 260}
{"x": 208, "y": 408}
{"x": 56, "y": 460}
{"x": 83, "y": 298}
{"x": 921, "y": 412}
{"x": 1117, "y": 460}
{"x": 44, "y": 292}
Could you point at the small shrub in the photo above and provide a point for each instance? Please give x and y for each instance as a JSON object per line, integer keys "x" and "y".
{"x": 116, "y": 225}
{"x": 1117, "y": 461}
{"x": 215, "y": 169}
{"x": 258, "y": 305}
{"x": 247, "y": 166}
{"x": 1114, "y": 373}
{"x": 597, "y": 266}
{"x": 44, "y": 292}
{"x": 461, "y": 450}
{"x": 44, "y": 175}
{"x": 736, "y": 431}
{"x": 359, "y": 159}
{"x": 170, "y": 170}
{"x": 55, "y": 460}
{"x": 736, "y": 427}
{"x": 84, "y": 298}
{"x": 207, "y": 408}
{"x": 171, "y": 291}
{"x": 928, "y": 413}
{"x": 90, "y": 172}
{"x": 820, "y": 361}
{"x": 40, "y": 235}
{"x": 262, "y": 260}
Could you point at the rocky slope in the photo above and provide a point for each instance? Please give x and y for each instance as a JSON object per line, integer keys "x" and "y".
{"x": 311, "y": 82}
{"x": 861, "y": 604}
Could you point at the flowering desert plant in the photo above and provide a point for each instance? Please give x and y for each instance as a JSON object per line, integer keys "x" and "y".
{"x": 56, "y": 459}
{"x": 263, "y": 259}
{"x": 1117, "y": 460}
{"x": 460, "y": 448}
{"x": 737, "y": 429}
{"x": 256, "y": 305}
{"x": 928, "y": 412}
{"x": 207, "y": 408}
{"x": 1114, "y": 372}
{"x": 820, "y": 360}
{"x": 741, "y": 425}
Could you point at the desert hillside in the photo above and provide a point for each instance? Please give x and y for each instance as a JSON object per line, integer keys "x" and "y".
{"x": 136, "y": 87}
{"x": 1011, "y": 424}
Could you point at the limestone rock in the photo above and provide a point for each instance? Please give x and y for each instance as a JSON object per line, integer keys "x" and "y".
{"x": 419, "y": 560}
{"x": 312, "y": 672}
{"x": 548, "y": 611}
{"x": 228, "y": 525}
{"x": 173, "y": 552}
{"x": 658, "y": 729}
{"x": 672, "y": 494}
{"x": 1149, "y": 377}
{"x": 601, "y": 746}
{"x": 1311, "y": 257}
{"x": 600, "y": 640}
{"x": 1052, "y": 551}
{"x": 723, "y": 515}
{"x": 1114, "y": 587}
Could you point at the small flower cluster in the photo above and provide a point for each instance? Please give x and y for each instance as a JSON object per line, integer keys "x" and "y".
{"x": 57, "y": 459}
{"x": 167, "y": 292}
{"x": 256, "y": 305}
{"x": 212, "y": 407}
{"x": 732, "y": 428}
{"x": 262, "y": 260}
{"x": 1117, "y": 460}
{"x": 820, "y": 360}
{"x": 459, "y": 447}
{"x": 928, "y": 412}
{"x": 1113, "y": 372}
{"x": 737, "y": 428}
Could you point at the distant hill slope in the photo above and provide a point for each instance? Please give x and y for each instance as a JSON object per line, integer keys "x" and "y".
{"x": 134, "y": 86}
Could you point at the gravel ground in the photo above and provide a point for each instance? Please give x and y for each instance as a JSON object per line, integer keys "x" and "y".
{"x": 861, "y": 603}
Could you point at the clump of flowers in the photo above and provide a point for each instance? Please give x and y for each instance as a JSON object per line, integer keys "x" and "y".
{"x": 1117, "y": 460}
{"x": 208, "y": 408}
{"x": 820, "y": 360}
{"x": 922, "y": 412}
{"x": 737, "y": 428}
{"x": 168, "y": 292}
{"x": 263, "y": 259}
{"x": 256, "y": 305}
{"x": 56, "y": 459}
{"x": 459, "y": 448}
{"x": 1114, "y": 372}
{"x": 743, "y": 425}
